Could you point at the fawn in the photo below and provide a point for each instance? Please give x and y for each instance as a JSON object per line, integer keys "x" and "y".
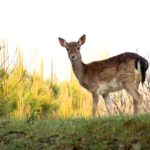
{"x": 124, "y": 71}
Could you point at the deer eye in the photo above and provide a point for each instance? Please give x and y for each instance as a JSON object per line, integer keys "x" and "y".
{"x": 78, "y": 48}
{"x": 67, "y": 49}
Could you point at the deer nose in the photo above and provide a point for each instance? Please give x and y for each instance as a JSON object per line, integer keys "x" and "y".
{"x": 73, "y": 56}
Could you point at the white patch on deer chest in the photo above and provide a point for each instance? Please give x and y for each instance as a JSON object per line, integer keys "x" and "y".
{"x": 109, "y": 86}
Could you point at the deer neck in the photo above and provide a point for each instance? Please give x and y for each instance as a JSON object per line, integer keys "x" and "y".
{"x": 78, "y": 68}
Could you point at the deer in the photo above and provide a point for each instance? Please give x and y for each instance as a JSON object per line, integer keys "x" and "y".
{"x": 123, "y": 71}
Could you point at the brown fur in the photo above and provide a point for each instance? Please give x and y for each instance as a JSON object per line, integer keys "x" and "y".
{"x": 124, "y": 71}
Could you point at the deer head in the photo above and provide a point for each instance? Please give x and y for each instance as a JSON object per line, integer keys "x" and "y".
{"x": 73, "y": 48}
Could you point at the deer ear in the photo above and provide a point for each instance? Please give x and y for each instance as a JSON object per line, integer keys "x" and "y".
{"x": 62, "y": 42}
{"x": 82, "y": 39}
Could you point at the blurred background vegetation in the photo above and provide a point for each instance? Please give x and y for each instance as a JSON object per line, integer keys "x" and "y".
{"x": 24, "y": 95}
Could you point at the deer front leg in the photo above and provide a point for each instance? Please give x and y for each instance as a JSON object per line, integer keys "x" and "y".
{"x": 95, "y": 102}
{"x": 108, "y": 103}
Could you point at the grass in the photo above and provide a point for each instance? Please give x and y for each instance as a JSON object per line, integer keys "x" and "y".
{"x": 106, "y": 133}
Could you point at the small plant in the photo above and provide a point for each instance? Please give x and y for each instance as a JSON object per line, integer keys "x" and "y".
{"x": 30, "y": 119}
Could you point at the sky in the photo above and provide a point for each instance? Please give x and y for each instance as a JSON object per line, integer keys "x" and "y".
{"x": 115, "y": 26}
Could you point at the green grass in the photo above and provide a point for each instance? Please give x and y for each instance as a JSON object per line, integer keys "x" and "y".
{"x": 106, "y": 133}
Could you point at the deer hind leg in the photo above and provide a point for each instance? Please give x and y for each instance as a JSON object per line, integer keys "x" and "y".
{"x": 108, "y": 103}
{"x": 95, "y": 102}
{"x": 137, "y": 97}
{"x": 136, "y": 84}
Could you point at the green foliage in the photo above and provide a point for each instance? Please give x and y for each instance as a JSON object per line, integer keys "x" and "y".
{"x": 30, "y": 119}
{"x": 3, "y": 101}
{"x": 55, "y": 91}
{"x": 21, "y": 93}
{"x": 3, "y": 107}
{"x": 3, "y": 74}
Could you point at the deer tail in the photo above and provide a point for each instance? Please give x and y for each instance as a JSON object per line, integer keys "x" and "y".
{"x": 142, "y": 66}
